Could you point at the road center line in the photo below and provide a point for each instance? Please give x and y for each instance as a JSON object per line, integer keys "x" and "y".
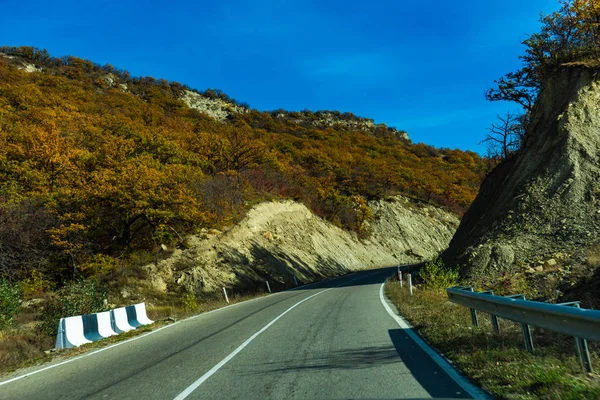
{"x": 214, "y": 369}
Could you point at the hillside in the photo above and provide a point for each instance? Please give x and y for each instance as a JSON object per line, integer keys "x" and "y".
{"x": 95, "y": 163}
{"x": 537, "y": 212}
{"x": 279, "y": 240}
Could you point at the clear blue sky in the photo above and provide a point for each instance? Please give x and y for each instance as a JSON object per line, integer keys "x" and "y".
{"x": 421, "y": 66}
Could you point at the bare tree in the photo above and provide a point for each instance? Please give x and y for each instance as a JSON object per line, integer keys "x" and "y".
{"x": 505, "y": 137}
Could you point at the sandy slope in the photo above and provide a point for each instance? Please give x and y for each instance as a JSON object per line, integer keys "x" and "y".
{"x": 278, "y": 240}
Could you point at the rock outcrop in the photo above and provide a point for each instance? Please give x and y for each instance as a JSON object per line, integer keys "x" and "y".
{"x": 337, "y": 120}
{"x": 546, "y": 199}
{"x": 218, "y": 109}
{"x": 279, "y": 240}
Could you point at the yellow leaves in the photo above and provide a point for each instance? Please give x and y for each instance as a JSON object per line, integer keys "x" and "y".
{"x": 363, "y": 213}
{"x": 22, "y": 96}
{"x": 122, "y": 168}
{"x": 64, "y": 236}
{"x": 98, "y": 265}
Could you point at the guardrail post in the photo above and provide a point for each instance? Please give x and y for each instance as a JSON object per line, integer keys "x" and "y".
{"x": 493, "y": 318}
{"x": 473, "y": 313}
{"x": 583, "y": 352}
{"x": 400, "y": 279}
{"x": 268, "y": 287}
{"x": 410, "y": 286}
{"x": 495, "y": 324}
{"x": 225, "y": 293}
{"x": 527, "y": 338}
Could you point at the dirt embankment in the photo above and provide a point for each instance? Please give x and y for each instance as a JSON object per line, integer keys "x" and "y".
{"x": 280, "y": 240}
{"x": 539, "y": 211}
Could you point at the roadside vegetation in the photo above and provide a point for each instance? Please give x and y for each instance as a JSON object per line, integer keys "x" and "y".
{"x": 28, "y": 333}
{"x": 498, "y": 363}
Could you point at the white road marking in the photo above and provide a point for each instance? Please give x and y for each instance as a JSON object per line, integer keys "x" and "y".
{"x": 150, "y": 333}
{"x": 135, "y": 338}
{"x": 472, "y": 390}
{"x": 122, "y": 343}
{"x": 214, "y": 369}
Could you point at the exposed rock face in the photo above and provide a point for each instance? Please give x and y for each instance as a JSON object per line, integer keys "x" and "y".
{"x": 345, "y": 121}
{"x": 281, "y": 239}
{"x": 218, "y": 109}
{"x": 546, "y": 199}
{"x": 29, "y": 67}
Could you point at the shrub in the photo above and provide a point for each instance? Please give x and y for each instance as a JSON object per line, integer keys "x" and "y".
{"x": 99, "y": 264}
{"x": 437, "y": 276}
{"x": 75, "y": 298}
{"x": 512, "y": 284}
{"x": 10, "y": 302}
{"x": 190, "y": 302}
{"x": 35, "y": 285}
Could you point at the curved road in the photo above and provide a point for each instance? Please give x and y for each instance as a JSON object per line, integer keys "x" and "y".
{"x": 331, "y": 340}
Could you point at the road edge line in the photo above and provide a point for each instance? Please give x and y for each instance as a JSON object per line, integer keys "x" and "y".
{"x": 475, "y": 392}
{"x": 91, "y": 353}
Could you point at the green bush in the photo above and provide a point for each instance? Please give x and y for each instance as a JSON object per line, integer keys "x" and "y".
{"x": 76, "y": 298}
{"x": 437, "y": 276}
{"x": 98, "y": 265}
{"x": 190, "y": 302}
{"x": 10, "y": 302}
{"x": 35, "y": 285}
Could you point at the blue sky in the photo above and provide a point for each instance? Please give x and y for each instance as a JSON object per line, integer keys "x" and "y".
{"x": 421, "y": 66}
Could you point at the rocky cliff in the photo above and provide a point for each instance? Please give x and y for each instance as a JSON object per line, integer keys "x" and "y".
{"x": 337, "y": 120}
{"x": 541, "y": 208}
{"x": 279, "y": 240}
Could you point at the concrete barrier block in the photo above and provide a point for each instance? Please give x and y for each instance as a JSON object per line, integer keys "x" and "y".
{"x": 120, "y": 320}
{"x": 136, "y": 315}
{"x": 90, "y": 327}
{"x": 71, "y": 333}
{"x": 132, "y": 317}
{"x": 105, "y": 328}
{"x": 142, "y": 317}
{"x": 83, "y": 329}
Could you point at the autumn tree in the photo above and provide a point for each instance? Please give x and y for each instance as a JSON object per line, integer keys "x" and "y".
{"x": 569, "y": 34}
{"x": 90, "y": 171}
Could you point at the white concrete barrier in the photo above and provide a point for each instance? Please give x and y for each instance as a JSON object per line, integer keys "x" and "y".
{"x": 142, "y": 317}
{"x": 83, "y": 329}
{"x": 70, "y": 333}
{"x": 120, "y": 320}
{"x": 105, "y": 328}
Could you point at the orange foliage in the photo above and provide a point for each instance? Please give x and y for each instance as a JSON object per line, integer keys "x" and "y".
{"x": 117, "y": 169}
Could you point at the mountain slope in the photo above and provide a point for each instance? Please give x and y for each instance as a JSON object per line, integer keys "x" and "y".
{"x": 279, "y": 240}
{"x": 96, "y": 162}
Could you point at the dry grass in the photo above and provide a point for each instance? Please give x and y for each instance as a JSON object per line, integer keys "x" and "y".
{"x": 22, "y": 347}
{"x": 25, "y": 345}
{"x": 498, "y": 363}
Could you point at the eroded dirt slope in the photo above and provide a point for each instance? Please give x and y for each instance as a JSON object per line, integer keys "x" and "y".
{"x": 280, "y": 240}
{"x": 540, "y": 210}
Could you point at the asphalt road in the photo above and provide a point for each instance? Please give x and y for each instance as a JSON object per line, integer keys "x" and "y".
{"x": 332, "y": 340}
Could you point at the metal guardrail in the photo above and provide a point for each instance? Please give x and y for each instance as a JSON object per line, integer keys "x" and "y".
{"x": 567, "y": 318}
